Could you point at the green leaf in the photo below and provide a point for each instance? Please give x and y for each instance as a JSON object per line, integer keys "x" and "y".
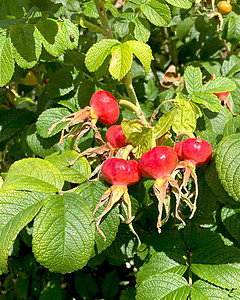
{"x": 110, "y": 285}
{"x": 157, "y": 12}
{"x": 52, "y": 36}
{"x": 202, "y": 290}
{"x": 63, "y": 237}
{"x": 141, "y": 29}
{"x": 231, "y": 220}
{"x": 91, "y": 192}
{"x": 98, "y": 52}
{"x": 164, "y": 123}
{"x": 121, "y": 60}
{"x": 84, "y": 93}
{"x": 131, "y": 126}
{"x": 232, "y": 126}
{"x": 27, "y": 45}
{"x": 61, "y": 83}
{"x": 40, "y": 146}
{"x": 214, "y": 259}
{"x": 163, "y": 286}
{"x": 12, "y": 121}
{"x": 142, "y": 141}
{"x": 219, "y": 85}
{"x": 184, "y": 26}
{"x": 228, "y": 162}
{"x": 79, "y": 172}
{"x": 7, "y": 65}
{"x": 186, "y": 4}
{"x": 90, "y": 10}
{"x": 71, "y": 33}
{"x": 193, "y": 79}
{"x": 185, "y": 117}
{"x": 159, "y": 263}
{"x": 231, "y": 66}
{"x": 207, "y": 99}
{"x": 233, "y": 32}
{"x": 17, "y": 209}
{"x": 143, "y": 52}
{"x": 33, "y": 174}
{"x": 48, "y": 118}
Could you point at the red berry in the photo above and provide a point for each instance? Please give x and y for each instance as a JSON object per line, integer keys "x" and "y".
{"x": 46, "y": 80}
{"x": 121, "y": 172}
{"x": 158, "y": 162}
{"x": 221, "y": 95}
{"x": 105, "y": 107}
{"x": 115, "y": 136}
{"x": 196, "y": 151}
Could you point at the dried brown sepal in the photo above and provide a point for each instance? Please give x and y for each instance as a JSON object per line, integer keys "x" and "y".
{"x": 188, "y": 171}
{"x": 227, "y": 104}
{"x": 113, "y": 195}
{"x": 160, "y": 188}
{"x": 170, "y": 76}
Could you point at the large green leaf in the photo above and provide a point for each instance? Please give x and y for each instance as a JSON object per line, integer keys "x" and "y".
{"x": 33, "y": 174}
{"x": 209, "y": 100}
{"x": 79, "y": 172}
{"x": 157, "y": 12}
{"x": 121, "y": 60}
{"x": 17, "y": 209}
{"x": 219, "y": 85}
{"x": 27, "y": 45}
{"x": 63, "y": 237}
{"x": 166, "y": 286}
{"x": 91, "y": 192}
{"x": 52, "y": 36}
{"x": 141, "y": 29}
{"x": 143, "y": 52}
{"x": 232, "y": 126}
{"x": 160, "y": 262}
{"x": 214, "y": 259}
{"x": 185, "y": 117}
{"x": 186, "y": 4}
{"x": 231, "y": 220}
{"x": 193, "y": 79}
{"x": 202, "y": 290}
{"x": 48, "y": 118}
{"x": 12, "y": 121}
{"x": 6, "y": 59}
{"x": 98, "y": 52}
{"x": 71, "y": 33}
{"x": 164, "y": 123}
{"x": 228, "y": 164}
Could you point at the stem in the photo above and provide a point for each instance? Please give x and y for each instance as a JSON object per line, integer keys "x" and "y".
{"x": 124, "y": 152}
{"x": 91, "y": 26}
{"x": 135, "y": 109}
{"x": 103, "y": 17}
{"x": 188, "y": 133}
{"x": 158, "y": 108}
{"x": 133, "y": 97}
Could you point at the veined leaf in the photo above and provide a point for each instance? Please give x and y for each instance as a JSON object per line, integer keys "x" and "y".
{"x": 164, "y": 123}
{"x": 91, "y": 192}
{"x": 130, "y": 126}
{"x": 185, "y": 117}
{"x": 98, "y": 52}
{"x": 202, "y": 290}
{"x": 207, "y": 99}
{"x": 79, "y": 172}
{"x": 63, "y": 237}
{"x": 186, "y": 4}
{"x": 143, "y": 52}
{"x": 27, "y": 45}
{"x": 121, "y": 60}
{"x": 52, "y": 36}
{"x": 142, "y": 140}
{"x": 163, "y": 286}
{"x": 157, "y": 12}
{"x": 219, "y": 85}
{"x": 48, "y": 118}
{"x": 193, "y": 79}
{"x": 232, "y": 126}
{"x": 228, "y": 164}
{"x": 17, "y": 209}
{"x": 141, "y": 29}
{"x": 6, "y": 59}
{"x": 33, "y": 174}
{"x": 231, "y": 220}
{"x": 71, "y": 33}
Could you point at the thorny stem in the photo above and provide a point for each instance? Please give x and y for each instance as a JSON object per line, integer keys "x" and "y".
{"x": 133, "y": 97}
{"x": 134, "y": 108}
{"x": 103, "y": 17}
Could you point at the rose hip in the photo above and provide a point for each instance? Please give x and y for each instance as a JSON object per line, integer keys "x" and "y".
{"x": 115, "y": 137}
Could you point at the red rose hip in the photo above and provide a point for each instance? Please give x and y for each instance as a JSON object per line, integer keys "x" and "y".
{"x": 222, "y": 95}
{"x": 105, "y": 106}
{"x": 121, "y": 172}
{"x": 115, "y": 137}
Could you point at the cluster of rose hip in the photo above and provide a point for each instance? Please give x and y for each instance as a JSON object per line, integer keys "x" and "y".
{"x": 167, "y": 166}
